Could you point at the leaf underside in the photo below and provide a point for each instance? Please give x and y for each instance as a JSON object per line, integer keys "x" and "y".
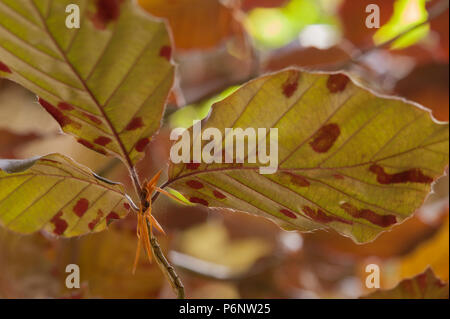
{"x": 106, "y": 83}
{"x": 348, "y": 159}
{"x": 55, "y": 194}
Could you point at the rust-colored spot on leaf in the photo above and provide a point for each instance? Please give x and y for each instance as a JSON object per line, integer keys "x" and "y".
{"x": 4, "y": 68}
{"x": 197, "y": 200}
{"x": 325, "y": 137}
{"x": 62, "y": 119}
{"x": 298, "y": 180}
{"x": 192, "y": 165}
{"x": 102, "y": 140}
{"x": 337, "y": 82}
{"x": 367, "y": 214}
{"x": 94, "y": 222}
{"x": 85, "y": 143}
{"x": 288, "y": 213}
{"x": 141, "y": 144}
{"x": 126, "y": 206}
{"x": 111, "y": 216}
{"x": 291, "y": 84}
{"x": 414, "y": 175}
{"x": 166, "y": 52}
{"x": 321, "y": 217}
{"x": 107, "y": 11}
{"x": 93, "y": 118}
{"x": 65, "y": 106}
{"x": 81, "y": 207}
{"x": 135, "y": 124}
{"x": 60, "y": 224}
{"x": 338, "y": 176}
{"x": 194, "y": 184}
{"x": 218, "y": 194}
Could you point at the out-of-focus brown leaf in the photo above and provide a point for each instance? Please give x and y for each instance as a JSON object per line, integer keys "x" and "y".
{"x": 247, "y": 5}
{"x": 353, "y": 18}
{"x": 428, "y": 85}
{"x": 423, "y": 286}
{"x": 400, "y": 240}
{"x": 9, "y": 142}
{"x": 305, "y": 57}
{"x": 196, "y": 24}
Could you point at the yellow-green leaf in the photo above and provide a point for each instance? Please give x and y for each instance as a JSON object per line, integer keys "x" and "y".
{"x": 348, "y": 159}
{"x": 56, "y": 194}
{"x": 105, "y": 83}
{"x": 423, "y": 286}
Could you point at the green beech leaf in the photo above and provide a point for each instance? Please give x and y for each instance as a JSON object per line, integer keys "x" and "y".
{"x": 58, "y": 195}
{"x": 422, "y": 286}
{"x": 105, "y": 83}
{"x": 348, "y": 159}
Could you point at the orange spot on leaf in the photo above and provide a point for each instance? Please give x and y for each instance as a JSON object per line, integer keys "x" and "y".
{"x": 135, "y": 124}
{"x": 81, "y": 207}
{"x": 4, "y": 68}
{"x": 197, "y": 200}
{"x": 291, "y": 84}
{"x": 60, "y": 224}
{"x": 141, "y": 144}
{"x": 321, "y": 217}
{"x": 194, "y": 184}
{"x": 288, "y": 213}
{"x": 94, "y": 222}
{"x": 219, "y": 195}
{"x": 367, "y": 214}
{"x": 325, "y": 137}
{"x": 166, "y": 52}
{"x": 414, "y": 175}
{"x": 102, "y": 140}
{"x": 337, "y": 82}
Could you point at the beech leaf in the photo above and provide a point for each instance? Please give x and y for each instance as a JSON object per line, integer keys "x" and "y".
{"x": 55, "y": 194}
{"x": 105, "y": 83}
{"x": 348, "y": 159}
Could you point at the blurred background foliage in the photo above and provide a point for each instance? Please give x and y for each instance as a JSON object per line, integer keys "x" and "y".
{"x": 220, "y": 45}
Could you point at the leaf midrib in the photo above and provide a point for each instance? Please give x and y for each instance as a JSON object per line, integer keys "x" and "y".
{"x": 127, "y": 159}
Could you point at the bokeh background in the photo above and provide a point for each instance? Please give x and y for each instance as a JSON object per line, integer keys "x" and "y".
{"x": 220, "y": 45}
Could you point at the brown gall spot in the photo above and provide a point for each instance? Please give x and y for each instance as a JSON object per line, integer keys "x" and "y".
{"x": 413, "y": 175}
{"x": 135, "y": 124}
{"x": 288, "y": 213}
{"x": 141, "y": 144}
{"x": 219, "y": 195}
{"x": 85, "y": 143}
{"x": 60, "y": 224}
{"x": 374, "y": 218}
{"x": 126, "y": 206}
{"x": 4, "y": 68}
{"x": 92, "y": 118}
{"x": 291, "y": 84}
{"x": 337, "y": 82}
{"x": 197, "y": 200}
{"x": 81, "y": 207}
{"x": 194, "y": 184}
{"x": 102, "y": 140}
{"x": 325, "y": 137}
{"x": 111, "y": 216}
{"x": 320, "y": 217}
{"x": 192, "y": 165}
{"x": 62, "y": 119}
{"x": 107, "y": 11}
{"x": 298, "y": 180}
{"x": 94, "y": 222}
{"x": 166, "y": 52}
{"x": 65, "y": 106}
